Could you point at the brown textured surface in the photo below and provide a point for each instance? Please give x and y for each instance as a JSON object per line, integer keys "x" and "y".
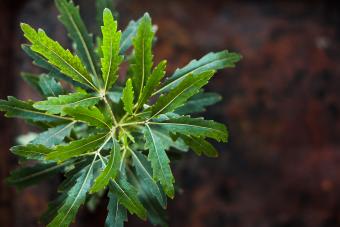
{"x": 281, "y": 167}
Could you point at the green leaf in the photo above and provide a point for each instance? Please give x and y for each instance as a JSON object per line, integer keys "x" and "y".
{"x": 159, "y": 161}
{"x": 54, "y": 136}
{"x": 76, "y": 148}
{"x": 49, "y": 86}
{"x": 110, "y": 48}
{"x": 180, "y": 94}
{"x": 27, "y": 176}
{"x": 144, "y": 171}
{"x": 211, "y": 61}
{"x": 63, "y": 59}
{"x": 20, "y": 109}
{"x": 75, "y": 198}
{"x": 116, "y": 213}
{"x": 92, "y": 116}
{"x": 142, "y": 63}
{"x": 110, "y": 171}
{"x": 197, "y": 103}
{"x": 152, "y": 83}
{"x": 55, "y": 105}
{"x": 127, "y": 36}
{"x": 40, "y": 61}
{"x": 200, "y": 146}
{"x": 167, "y": 141}
{"x": 127, "y": 196}
{"x": 128, "y": 96}
{"x": 197, "y": 127}
{"x": 70, "y": 17}
{"x": 156, "y": 213}
{"x": 32, "y": 80}
{"x": 31, "y": 151}
{"x": 100, "y": 7}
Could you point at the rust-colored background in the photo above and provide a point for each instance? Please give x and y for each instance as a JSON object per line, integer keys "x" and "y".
{"x": 281, "y": 103}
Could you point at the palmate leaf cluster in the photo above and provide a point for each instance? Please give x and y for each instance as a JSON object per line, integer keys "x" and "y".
{"x": 110, "y": 135}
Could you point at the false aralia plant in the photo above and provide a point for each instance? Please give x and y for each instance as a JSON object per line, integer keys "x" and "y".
{"x": 110, "y": 136}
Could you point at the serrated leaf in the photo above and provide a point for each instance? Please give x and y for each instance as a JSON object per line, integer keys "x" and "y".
{"x": 53, "y": 136}
{"x": 32, "y": 80}
{"x": 116, "y": 215}
{"x": 156, "y": 213}
{"x": 144, "y": 171}
{"x": 127, "y": 36}
{"x": 211, "y": 61}
{"x": 92, "y": 116}
{"x": 55, "y": 105}
{"x": 31, "y": 151}
{"x": 167, "y": 141}
{"x": 142, "y": 62}
{"x": 200, "y": 146}
{"x": 197, "y": 103}
{"x": 128, "y": 96}
{"x": 197, "y": 127}
{"x": 40, "y": 61}
{"x": 180, "y": 94}
{"x": 110, "y": 49}
{"x": 76, "y": 148}
{"x": 159, "y": 161}
{"x": 20, "y": 109}
{"x": 70, "y": 17}
{"x": 27, "y": 176}
{"x": 49, "y": 86}
{"x": 127, "y": 196}
{"x": 111, "y": 169}
{"x": 75, "y": 198}
{"x": 63, "y": 59}
{"x": 152, "y": 83}
{"x": 100, "y": 7}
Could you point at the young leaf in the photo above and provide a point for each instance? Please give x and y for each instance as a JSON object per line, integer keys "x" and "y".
{"x": 211, "y": 61}
{"x": 144, "y": 171}
{"x": 67, "y": 63}
{"x": 31, "y": 151}
{"x": 159, "y": 161}
{"x": 110, "y": 171}
{"x": 127, "y": 195}
{"x": 91, "y": 116}
{"x": 20, "y": 109}
{"x": 76, "y": 148}
{"x": 55, "y": 105}
{"x": 116, "y": 213}
{"x": 152, "y": 83}
{"x": 75, "y": 198}
{"x": 142, "y": 63}
{"x": 49, "y": 86}
{"x": 28, "y": 176}
{"x": 197, "y": 103}
{"x": 70, "y": 17}
{"x": 180, "y": 94}
{"x": 110, "y": 49}
{"x": 54, "y": 136}
{"x": 197, "y": 127}
{"x": 100, "y": 7}
{"x": 128, "y": 96}
{"x": 200, "y": 146}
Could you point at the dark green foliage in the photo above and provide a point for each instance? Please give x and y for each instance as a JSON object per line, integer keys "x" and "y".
{"x": 107, "y": 135}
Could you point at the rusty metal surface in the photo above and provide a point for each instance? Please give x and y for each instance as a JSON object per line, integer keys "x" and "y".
{"x": 281, "y": 167}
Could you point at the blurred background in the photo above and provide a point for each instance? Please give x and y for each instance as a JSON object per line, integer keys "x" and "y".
{"x": 281, "y": 167}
